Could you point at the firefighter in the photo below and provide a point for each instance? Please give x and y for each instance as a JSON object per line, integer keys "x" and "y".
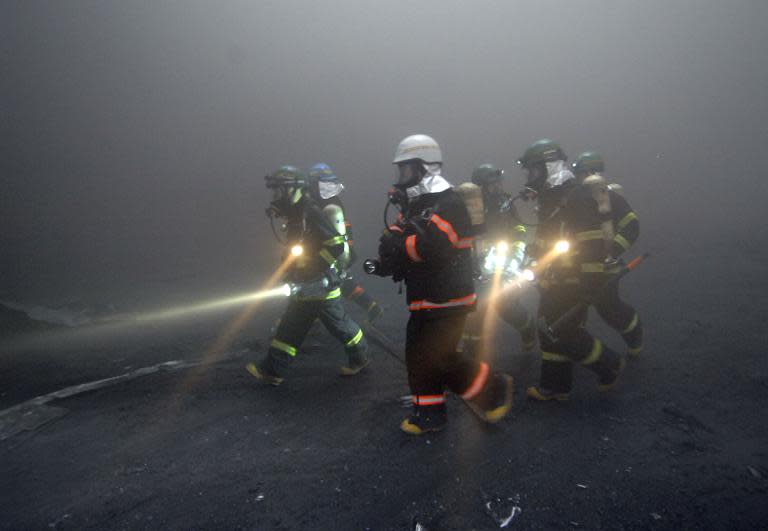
{"x": 429, "y": 248}
{"x": 621, "y": 232}
{"x": 567, "y": 211}
{"x": 502, "y": 227}
{"x": 326, "y": 188}
{"x": 315, "y": 236}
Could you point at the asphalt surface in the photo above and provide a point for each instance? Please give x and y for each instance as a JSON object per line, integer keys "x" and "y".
{"x": 681, "y": 444}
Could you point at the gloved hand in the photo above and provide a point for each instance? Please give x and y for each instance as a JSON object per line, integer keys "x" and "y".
{"x": 611, "y": 264}
{"x": 390, "y": 246}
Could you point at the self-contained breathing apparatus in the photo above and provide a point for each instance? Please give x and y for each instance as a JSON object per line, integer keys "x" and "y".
{"x": 290, "y": 202}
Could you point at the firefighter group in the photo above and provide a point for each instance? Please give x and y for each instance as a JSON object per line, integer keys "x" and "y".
{"x": 465, "y": 256}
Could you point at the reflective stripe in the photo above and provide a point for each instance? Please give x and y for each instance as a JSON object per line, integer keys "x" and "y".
{"x": 336, "y": 240}
{"x": 330, "y": 295}
{"x": 551, "y": 356}
{"x": 478, "y": 383}
{"x": 592, "y": 267}
{"x": 284, "y": 347}
{"x": 519, "y": 228}
{"x": 356, "y": 339}
{"x": 597, "y": 351}
{"x": 447, "y": 228}
{"x": 519, "y": 245}
{"x": 626, "y": 219}
{"x": 328, "y": 257}
{"x": 428, "y": 400}
{"x": 621, "y": 240}
{"x": 428, "y": 305}
{"x": 410, "y": 248}
{"x": 589, "y": 235}
{"x": 631, "y": 326}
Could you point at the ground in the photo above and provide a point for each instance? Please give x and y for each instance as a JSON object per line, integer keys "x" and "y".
{"x": 681, "y": 444}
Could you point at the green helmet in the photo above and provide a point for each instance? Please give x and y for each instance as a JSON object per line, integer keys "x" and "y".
{"x": 288, "y": 185}
{"x": 588, "y": 163}
{"x": 544, "y": 150}
{"x": 486, "y": 173}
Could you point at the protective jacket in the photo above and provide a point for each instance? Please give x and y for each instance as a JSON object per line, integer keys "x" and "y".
{"x": 596, "y": 232}
{"x": 350, "y": 256}
{"x": 502, "y": 223}
{"x": 434, "y": 250}
{"x": 322, "y": 245}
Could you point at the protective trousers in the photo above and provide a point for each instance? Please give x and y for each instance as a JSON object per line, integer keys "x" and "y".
{"x": 434, "y": 364}
{"x": 572, "y": 343}
{"x": 295, "y": 324}
{"x": 354, "y": 292}
{"x": 620, "y": 316}
{"x": 509, "y": 308}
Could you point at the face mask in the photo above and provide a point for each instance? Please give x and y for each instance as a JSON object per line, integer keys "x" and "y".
{"x": 329, "y": 189}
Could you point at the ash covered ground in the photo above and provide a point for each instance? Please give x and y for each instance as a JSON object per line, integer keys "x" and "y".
{"x": 680, "y": 444}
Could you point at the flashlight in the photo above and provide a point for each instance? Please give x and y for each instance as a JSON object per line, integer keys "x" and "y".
{"x": 297, "y": 250}
{"x": 528, "y": 275}
{"x": 562, "y": 247}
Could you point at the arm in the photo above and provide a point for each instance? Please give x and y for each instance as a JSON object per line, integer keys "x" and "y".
{"x": 626, "y": 226}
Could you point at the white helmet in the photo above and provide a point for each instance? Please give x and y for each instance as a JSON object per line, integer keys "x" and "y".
{"x": 418, "y": 147}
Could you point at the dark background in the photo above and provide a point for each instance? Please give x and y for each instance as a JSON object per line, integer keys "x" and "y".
{"x": 135, "y": 135}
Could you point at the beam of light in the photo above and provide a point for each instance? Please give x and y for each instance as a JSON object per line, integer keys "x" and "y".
{"x": 217, "y": 349}
{"x": 216, "y": 304}
{"x": 488, "y": 324}
{"x": 117, "y": 325}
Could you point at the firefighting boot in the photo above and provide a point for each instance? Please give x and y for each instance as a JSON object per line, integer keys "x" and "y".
{"x": 633, "y": 337}
{"x": 425, "y": 419}
{"x": 556, "y": 377}
{"x": 374, "y": 311}
{"x": 264, "y": 373}
{"x": 543, "y": 394}
{"x": 495, "y": 401}
{"x": 358, "y": 359}
{"x": 609, "y": 381}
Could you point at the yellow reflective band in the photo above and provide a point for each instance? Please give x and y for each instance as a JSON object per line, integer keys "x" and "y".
{"x": 631, "y": 326}
{"x": 592, "y": 267}
{"x": 597, "y": 351}
{"x": 626, "y": 219}
{"x": 589, "y": 235}
{"x": 356, "y": 339}
{"x": 328, "y": 257}
{"x": 621, "y": 240}
{"x": 330, "y": 295}
{"x": 519, "y": 245}
{"x": 551, "y": 356}
{"x": 519, "y": 228}
{"x": 336, "y": 240}
{"x": 285, "y": 347}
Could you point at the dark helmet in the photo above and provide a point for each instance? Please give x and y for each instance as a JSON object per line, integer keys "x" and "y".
{"x": 321, "y": 172}
{"x": 588, "y": 163}
{"x": 286, "y": 177}
{"x": 287, "y": 185}
{"x": 486, "y": 174}
{"x": 544, "y": 150}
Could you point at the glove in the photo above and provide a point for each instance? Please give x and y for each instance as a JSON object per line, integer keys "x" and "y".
{"x": 390, "y": 246}
{"x": 612, "y": 265}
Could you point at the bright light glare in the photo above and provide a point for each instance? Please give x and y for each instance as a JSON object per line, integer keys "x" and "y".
{"x": 218, "y": 304}
{"x": 528, "y": 275}
{"x": 297, "y": 250}
{"x": 562, "y": 246}
{"x": 502, "y": 247}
